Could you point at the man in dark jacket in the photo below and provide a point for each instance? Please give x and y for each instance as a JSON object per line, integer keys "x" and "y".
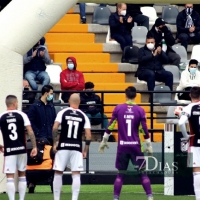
{"x": 93, "y": 111}
{"x": 150, "y": 67}
{"x": 120, "y": 26}
{"x": 34, "y": 65}
{"x": 188, "y": 26}
{"x": 164, "y": 38}
{"x": 42, "y": 115}
{"x": 134, "y": 11}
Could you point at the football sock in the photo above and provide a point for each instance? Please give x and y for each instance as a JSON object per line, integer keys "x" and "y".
{"x": 57, "y": 185}
{"x": 146, "y": 184}
{"x": 196, "y": 180}
{"x": 76, "y": 183}
{"x": 118, "y": 185}
{"x": 10, "y": 188}
{"x": 22, "y": 187}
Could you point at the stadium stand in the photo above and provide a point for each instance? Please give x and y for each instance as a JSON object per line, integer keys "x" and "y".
{"x": 100, "y": 59}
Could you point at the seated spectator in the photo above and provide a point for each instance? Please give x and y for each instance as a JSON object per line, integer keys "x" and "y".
{"x": 120, "y": 26}
{"x": 150, "y": 61}
{"x": 164, "y": 38}
{"x": 188, "y": 26}
{"x": 71, "y": 79}
{"x": 35, "y": 61}
{"x": 82, "y": 13}
{"x": 134, "y": 11}
{"x": 190, "y": 77}
{"x": 91, "y": 109}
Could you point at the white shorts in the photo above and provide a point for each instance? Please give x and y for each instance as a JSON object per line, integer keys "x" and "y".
{"x": 15, "y": 162}
{"x": 66, "y": 158}
{"x": 194, "y": 157}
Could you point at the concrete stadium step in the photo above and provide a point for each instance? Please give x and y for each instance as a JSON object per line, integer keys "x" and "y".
{"x": 112, "y": 86}
{"x": 69, "y": 28}
{"x": 59, "y": 38}
{"x": 104, "y": 77}
{"x": 82, "y": 57}
{"x": 75, "y": 48}
{"x": 70, "y": 19}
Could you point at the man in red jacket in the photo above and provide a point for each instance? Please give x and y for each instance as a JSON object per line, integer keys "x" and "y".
{"x": 71, "y": 79}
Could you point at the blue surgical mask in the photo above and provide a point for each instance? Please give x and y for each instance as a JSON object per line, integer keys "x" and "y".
{"x": 70, "y": 66}
{"x": 193, "y": 70}
{"x": 50, "y": 97}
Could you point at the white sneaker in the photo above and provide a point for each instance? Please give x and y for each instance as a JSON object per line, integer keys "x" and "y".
{"x": 150, "y": 198}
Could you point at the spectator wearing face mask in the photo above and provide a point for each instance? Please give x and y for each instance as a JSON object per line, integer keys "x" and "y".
{"x": 120, "y": 26}
{"x": 190, "y": 77}
{"x": 71, "y": 79}
{"x": 188, "y": 26}
{"x": 150, "y": 68}
{"x": 164, "y": 38}
{"x": 42, "y": 115}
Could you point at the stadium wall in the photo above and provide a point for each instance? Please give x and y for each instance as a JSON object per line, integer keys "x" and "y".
{"x": 23, "y": 23}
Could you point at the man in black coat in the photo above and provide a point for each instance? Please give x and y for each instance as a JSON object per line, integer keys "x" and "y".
{"x": 150, "y": 67}
{"x": 164, "y": 38}
{"x": 188, "y": 26}
{"x": 120, "y": 26}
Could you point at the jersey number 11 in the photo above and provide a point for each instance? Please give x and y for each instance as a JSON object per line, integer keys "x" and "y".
{"x": 70, "y": 128}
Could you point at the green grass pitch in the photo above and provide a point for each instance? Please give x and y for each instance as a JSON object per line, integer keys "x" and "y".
{"x": 100, "y": 192}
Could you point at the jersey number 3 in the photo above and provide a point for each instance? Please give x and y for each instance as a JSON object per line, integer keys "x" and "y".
{"x": 13, "y": 128}
{"x": 70, "y": 127}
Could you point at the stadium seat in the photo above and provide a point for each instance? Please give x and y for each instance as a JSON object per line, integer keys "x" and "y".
{"x": 109, "y": 40}
{"x": 101, "y": 15}
{"x": 149, "y": 12}
{"x": 144, "y": 82}
{"x": 181, "y": 51}
{"x": 170, "y": 113}
{"x": 139, "y": 34}
{"x": 169, "y": 14}
{"x": 175, "y": 71}
{"x": 195, "y": 52}
{"x": 91, "y": 4}
{"x": 177, "y": 99}
{"x": 59, "y": 108}
{"x": 130, "y": 55}
{"x": 163, "y": 98}
{"x": 54, "y": 73}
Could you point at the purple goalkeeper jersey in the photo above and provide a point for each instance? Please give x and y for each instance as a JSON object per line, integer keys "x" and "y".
{"x": 129, "y": 118}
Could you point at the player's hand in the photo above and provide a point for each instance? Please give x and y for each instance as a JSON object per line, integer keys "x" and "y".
{"x": 187, "y": 139}
{"x": 177, "y": 111}
{"x": 84, "y": 154}
{"x": 55, "y": 148}
{"x": 33, "y": 152}
{"x": 148, "y": 148}
{"x": 1, "y": 148}
{"x": 102, "y": 146}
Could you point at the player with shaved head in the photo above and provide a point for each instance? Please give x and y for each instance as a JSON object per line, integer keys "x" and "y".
{"x": 69, "y": 148}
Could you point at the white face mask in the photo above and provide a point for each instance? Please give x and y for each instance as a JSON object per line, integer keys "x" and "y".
{"x": 150, "y": 46}
{"x": 123, "y": 12}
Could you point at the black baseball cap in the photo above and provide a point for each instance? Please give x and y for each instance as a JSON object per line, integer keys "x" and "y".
{"x": 159, "y": 22}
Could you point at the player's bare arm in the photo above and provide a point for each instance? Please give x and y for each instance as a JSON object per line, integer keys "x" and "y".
{"x": 33, "y": 140}
{"x": 55, "y": 135}
{"x": 87, "y": 142}
{"x": 1, "y": 148}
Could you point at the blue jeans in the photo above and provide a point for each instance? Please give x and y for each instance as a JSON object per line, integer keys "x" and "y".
{"x": 98, "y": 120}
{"x": 82, "y": 10}
{"x": 41, "y": 76}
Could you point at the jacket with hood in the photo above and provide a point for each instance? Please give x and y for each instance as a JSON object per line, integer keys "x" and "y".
{"x": 169, "y": 39}
{"x": 37, "y": 63}
{"x": 42, "y": 118}
{"x": 189, "y": 80}
{"x": 91, "y": 100}
{"x": 71, "y": 80}
{"x": 146, "y": 60}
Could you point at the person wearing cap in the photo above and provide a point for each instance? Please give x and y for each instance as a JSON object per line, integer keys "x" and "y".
{"x": 164, "y": 38}
{"x": 190, "y": 77}
{"x": 71, "y": 79}
{"x": 188, "y": 26}
{"x": 35, "y": 61}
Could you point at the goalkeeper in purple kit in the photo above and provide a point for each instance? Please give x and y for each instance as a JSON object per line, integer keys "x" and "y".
{"x": 129, "y": 117}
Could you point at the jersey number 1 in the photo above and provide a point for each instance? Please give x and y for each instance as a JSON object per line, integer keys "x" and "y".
{"x": 128, "y": 121}
{"x": 70, "y": 125}
{"x": 13, "y": 128}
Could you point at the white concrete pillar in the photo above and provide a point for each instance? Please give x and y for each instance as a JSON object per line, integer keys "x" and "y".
{"x": 23, "y": 23}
